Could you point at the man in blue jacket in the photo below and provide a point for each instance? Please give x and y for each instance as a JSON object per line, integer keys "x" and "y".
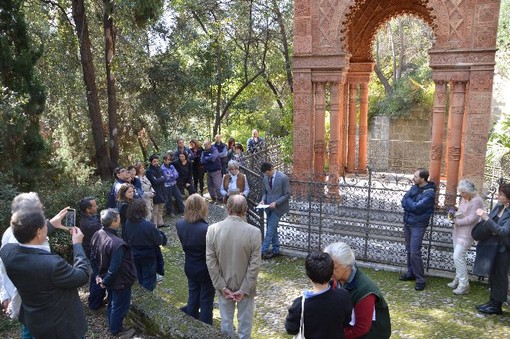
{"x": 212, "y": 165}
{"x": 418, "y": 204}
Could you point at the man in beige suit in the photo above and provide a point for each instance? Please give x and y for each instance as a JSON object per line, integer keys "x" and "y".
{"x": 233, "y": 260}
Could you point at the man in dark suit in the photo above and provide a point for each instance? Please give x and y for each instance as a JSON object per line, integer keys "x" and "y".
{"x": 47, "y": 284}
{"x": 89, "y": 225}
{"x": 277, "y": 196}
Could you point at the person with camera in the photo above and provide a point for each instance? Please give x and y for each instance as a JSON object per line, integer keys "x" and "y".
{"x": 47, "y": 284}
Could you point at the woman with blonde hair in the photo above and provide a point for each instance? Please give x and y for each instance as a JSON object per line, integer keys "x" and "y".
{"x": 192, "y": 230}
{"x": 464, "y": 221}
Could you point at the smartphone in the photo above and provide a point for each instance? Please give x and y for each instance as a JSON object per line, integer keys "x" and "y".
{"x": 70, "y": 218}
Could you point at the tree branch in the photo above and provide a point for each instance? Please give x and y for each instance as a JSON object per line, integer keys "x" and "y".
{"x": 60, "y": 8}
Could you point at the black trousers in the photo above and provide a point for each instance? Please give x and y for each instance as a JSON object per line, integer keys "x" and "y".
{"x": 498, "y": 279}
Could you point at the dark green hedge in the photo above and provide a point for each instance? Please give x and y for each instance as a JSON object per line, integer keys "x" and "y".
{"x": 54, "y": 198}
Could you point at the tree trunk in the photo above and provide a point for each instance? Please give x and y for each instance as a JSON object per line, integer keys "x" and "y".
{"x": 393, "y": 53}
{"x": 286, "y": 54}
{"x": 219, "y": 88}
{"x": 384, "y": 81}
{"x": 401, "y": 57}
{"x": 89, "y": 77}
{"x": 109, "y": 49}
{"x": 275, "y": 92}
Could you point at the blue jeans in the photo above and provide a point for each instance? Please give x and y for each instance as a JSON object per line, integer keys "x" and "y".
{"x": 200, "y": 297}
{"x": 173, "y": 193}
{"x": 413, "y": 239}
{"x": 146, "y": 272}
{"x": 96, "y": 294}
{"x": 271, "y": 232}
{"x": 25, "y": 332}
{"x": 118, "y": 307}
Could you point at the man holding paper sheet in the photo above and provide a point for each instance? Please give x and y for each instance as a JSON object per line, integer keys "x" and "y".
{"x": 276, "y": 196}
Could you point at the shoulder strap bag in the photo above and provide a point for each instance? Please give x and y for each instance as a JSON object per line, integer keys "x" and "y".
{"x": 301, "y": 333}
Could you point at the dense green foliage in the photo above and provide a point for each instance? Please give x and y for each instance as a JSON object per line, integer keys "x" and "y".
{"x": 403, "y": 80}
{"x": 7, "y": 193}
{"x": 182, "y": 69}
{"x": 55, "y": 199}
{"x": 23, "y": 149}
{"x": 406, "y": 95}
{"x": 70, "y": 195}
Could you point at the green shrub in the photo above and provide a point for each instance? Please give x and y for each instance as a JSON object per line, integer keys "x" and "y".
{"x": 55, "y": 199}
{"x": 7, "y": 193}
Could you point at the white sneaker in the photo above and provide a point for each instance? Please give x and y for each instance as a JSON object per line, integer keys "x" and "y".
{"x": 453, "y": 284}
{"x": 461, "y": 289}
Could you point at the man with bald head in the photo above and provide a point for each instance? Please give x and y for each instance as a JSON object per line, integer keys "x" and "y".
{"x": 233, "y": 260}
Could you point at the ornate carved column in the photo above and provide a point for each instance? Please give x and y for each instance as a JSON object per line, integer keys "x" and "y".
{"x": 436, "y": 148}
{"x": 344, "y": 135}
{"x": 351, "y": 152}
{"x": 303, "y": 124}
{"x": 319, "y": 144}
{"x": 457, "y": 105}
{"x": 363, "y": 128}
{"x": 334, "y": 134}
{"x": 338, "y": 98}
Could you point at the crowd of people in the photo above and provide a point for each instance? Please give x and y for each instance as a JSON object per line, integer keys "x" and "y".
{"x": 122, "y": 246}
{"x": 164, "y": 184}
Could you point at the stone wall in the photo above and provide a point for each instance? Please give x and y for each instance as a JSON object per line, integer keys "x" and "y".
{"x": 158, "y": 318}
{"x": 400, "y": 145}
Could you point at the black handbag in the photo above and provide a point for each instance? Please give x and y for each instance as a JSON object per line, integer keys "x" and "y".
{"x": 481, "y": 231}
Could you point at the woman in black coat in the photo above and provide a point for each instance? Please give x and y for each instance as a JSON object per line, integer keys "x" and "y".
{"x": 192, "y": 230}
{"x": 185, "y": 179}
{"x": 144, "y": 239}
{"x": 493, "y": 250}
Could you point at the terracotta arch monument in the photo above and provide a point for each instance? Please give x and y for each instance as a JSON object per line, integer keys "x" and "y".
{"x": 332, "y": 57}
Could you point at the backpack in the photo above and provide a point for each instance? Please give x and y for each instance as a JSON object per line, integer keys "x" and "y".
{"x": 111, "y": 200}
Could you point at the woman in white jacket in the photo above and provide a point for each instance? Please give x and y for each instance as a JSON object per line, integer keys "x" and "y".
{"x": 464, "y": 221}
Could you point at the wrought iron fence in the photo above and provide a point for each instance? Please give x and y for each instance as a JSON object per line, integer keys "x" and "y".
{"x": 271, "y": 153}
{"x": 362, "y": 210}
